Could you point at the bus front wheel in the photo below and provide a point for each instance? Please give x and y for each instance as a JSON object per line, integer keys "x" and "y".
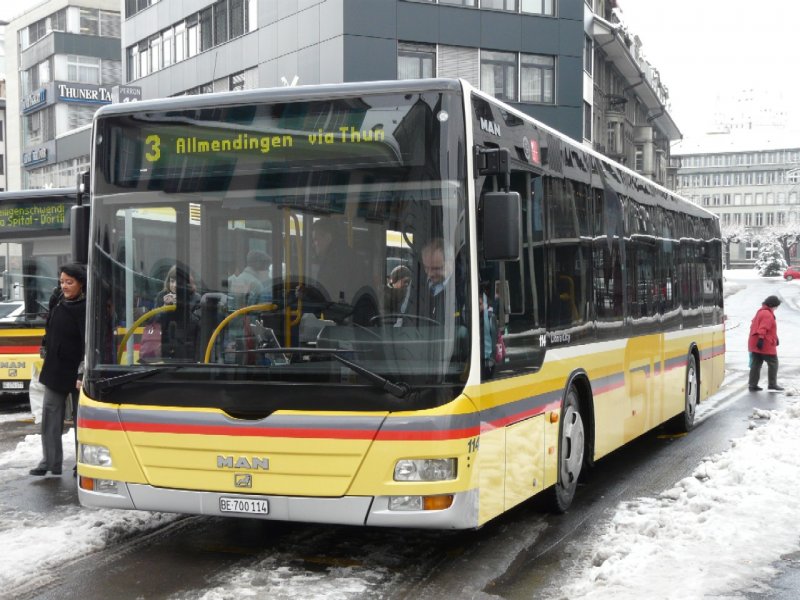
{"x": 571, "y": 450}
{"x": 684, "y": 422}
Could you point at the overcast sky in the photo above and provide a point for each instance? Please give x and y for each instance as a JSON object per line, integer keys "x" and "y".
{"x": 712, "y": 49}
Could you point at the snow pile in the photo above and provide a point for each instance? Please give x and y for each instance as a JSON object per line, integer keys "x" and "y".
{"x": 33, "y": 546}
{"x": 714, "y": 532}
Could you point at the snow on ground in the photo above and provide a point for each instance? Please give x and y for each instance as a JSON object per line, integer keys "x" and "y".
{"x": 31, "y": 543}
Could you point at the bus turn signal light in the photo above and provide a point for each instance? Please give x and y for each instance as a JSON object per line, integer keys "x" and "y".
{"x": 437, "y": 502}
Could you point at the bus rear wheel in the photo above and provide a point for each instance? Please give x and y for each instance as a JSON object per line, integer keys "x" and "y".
{"x": 571, "y": 450}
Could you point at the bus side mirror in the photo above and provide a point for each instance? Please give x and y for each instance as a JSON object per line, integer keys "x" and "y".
{"x": 502, "y": 226}
{"x": 79, "y": 233}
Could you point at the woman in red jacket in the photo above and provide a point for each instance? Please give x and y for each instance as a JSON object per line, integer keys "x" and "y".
{"x": 763, "y": 345}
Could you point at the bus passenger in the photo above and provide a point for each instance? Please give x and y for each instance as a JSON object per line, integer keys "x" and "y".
{"x": 63, "y": 350}
{"x": 398, "y": 290}
{"x": 438, "y": 263}
{"x": 334, "y": 265}
{"x": 253, "y": 285}
{"x": 179, "y": 328}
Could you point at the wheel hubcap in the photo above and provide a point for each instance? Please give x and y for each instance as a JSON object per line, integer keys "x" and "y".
{"x": 572, "y": 446}
{"x": 691, "y": 391}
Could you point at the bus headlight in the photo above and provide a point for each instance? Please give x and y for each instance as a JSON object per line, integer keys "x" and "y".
{"x": 425, "y": 469}
{"x": 97, "y": 456}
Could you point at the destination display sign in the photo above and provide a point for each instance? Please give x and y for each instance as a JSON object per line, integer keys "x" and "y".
{"x": 35, "y": 217}
{"x": 382, "y": 131}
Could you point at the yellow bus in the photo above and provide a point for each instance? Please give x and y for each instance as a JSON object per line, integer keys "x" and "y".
{"x": 34, "y": 241}
{"x": 557, "y": 306}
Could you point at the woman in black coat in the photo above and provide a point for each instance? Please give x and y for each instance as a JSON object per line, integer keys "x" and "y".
{"x": 63, "y": 346}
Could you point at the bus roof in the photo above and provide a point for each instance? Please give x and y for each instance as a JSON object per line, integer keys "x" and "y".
{"x": 280, "y": 94}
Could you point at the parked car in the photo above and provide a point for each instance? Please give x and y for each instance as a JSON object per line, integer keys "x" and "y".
{"x": 11, "y": 311}
{"x": 791, "y": 273}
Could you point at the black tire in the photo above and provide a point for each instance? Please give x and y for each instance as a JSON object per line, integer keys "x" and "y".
{"x": 789, "y": 278}
{"x": 684, "y": 422}
{"x": 571, "y": 451}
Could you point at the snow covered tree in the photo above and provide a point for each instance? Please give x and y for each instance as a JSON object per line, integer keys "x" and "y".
{"x": 770, "y": 259}
{"x": 786, "y": 235}
{"x": 731, "y": 234}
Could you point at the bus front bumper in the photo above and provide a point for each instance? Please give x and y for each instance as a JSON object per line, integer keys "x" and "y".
{"x": 346, "y": 510}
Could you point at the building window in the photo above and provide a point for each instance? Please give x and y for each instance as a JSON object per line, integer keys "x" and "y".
{"x": 180, "y": 42}
{"x": 587, "y": 54}
{"x": 748, "y": 219}
{"x": 220, "y": 22}
{"x": 587, "y": 121}
{"x": 155, "y": 53}
{"x": 500, "y": 4}
{"x": 206, "y": 30}
{"x": 133, "y": 63}
{"x": 770, "y": 219}
{"x": 416, "y": 61}
{"x": 237, "y": 18}
{"x": 726, "y": 219}
{"x": 83, "y": 69}
{"x": 499, "y": 74}
{"x": 237, "y": 81}
{"x": 134, "y": 6}
{"x": 638, "y": 158}
{"x": 759, "y": 219}
{"x": 537, "y": 80}
{"x": 537, "y": 7}
{"x": 78, "y": 116}
{"x": 615, "y": 138}
{"x": 168, "y": 37}
{"x": 90, "y": 24}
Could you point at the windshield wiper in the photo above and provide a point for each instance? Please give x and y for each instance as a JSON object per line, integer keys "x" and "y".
{"x": 108, "y": 383}
{"x": 398, "y": 390}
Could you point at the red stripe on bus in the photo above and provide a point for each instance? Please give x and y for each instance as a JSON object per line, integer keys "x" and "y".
{"x": 19, "y": 350}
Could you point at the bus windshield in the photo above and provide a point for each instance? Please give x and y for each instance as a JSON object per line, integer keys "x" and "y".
{"x": 316, "y": 242}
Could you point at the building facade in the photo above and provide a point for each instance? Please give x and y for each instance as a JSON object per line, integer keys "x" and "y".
{"x": 750, "y": 178}
{"x": 63, "y": 61}
{"x": 3, "y": 137}
{"x": 568, "y": 63}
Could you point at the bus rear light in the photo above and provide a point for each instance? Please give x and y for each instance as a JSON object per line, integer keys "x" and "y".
{"x": 440, "y": 502}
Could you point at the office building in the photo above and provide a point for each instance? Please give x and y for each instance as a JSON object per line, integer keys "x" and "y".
{"x": 62, "y": 63}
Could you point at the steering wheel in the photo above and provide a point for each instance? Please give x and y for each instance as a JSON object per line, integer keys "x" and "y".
{"x": 380, "y": 319}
